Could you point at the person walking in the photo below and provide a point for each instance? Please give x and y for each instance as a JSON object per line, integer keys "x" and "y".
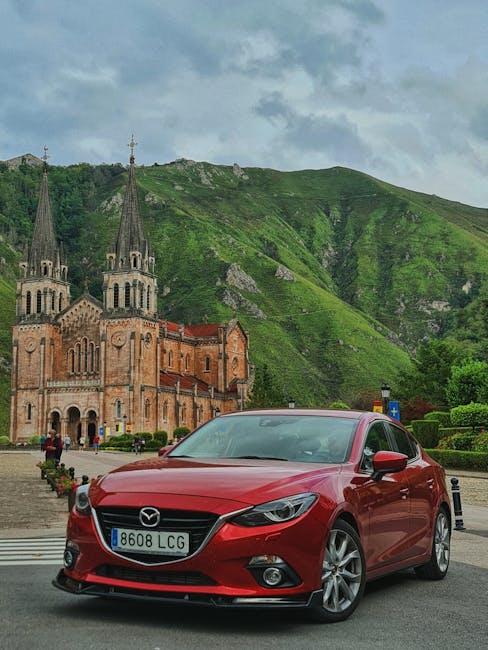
{"x": 82, "y": 443}
{"x": 58, "y": 446}
{"x": 49, "y": 448}
{"x": 67, "y": 442}
{"x": 96, "y": 443}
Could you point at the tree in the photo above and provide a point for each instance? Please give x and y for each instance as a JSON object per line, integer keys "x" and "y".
{"x": 468, "y": 383}
{"x": 431, "y": 373}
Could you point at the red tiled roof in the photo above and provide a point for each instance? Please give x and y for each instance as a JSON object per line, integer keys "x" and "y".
{"x": 209, "y": 329}
{"x": 186, "y": 381}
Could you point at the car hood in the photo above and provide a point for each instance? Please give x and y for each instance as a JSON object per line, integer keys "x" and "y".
{"x": 248, "y": 482}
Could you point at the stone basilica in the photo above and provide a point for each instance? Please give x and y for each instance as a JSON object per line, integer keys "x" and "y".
{"x": 88, "y": 366}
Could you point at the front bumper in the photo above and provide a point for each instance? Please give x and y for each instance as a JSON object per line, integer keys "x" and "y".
{"x": 296, "y": 601}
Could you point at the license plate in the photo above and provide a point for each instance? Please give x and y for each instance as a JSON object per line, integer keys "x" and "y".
{"x": 150, "y": 541}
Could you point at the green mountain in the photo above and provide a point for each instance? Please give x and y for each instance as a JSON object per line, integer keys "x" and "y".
{"x": 336, "y": 275}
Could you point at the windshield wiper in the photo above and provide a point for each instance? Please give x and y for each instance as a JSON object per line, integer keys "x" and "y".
{"x": 260, "y": 457}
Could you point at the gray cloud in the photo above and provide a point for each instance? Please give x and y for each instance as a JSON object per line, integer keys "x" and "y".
{"x": 278, "y": 83}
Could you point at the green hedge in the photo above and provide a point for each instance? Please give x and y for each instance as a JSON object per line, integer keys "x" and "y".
{"x": 470, "y": 415}
{"x": 474, "y": 460}
{"x": 444, "y": 418}
{"x": 426, "y": 432}
{"x": 446, "y": 432}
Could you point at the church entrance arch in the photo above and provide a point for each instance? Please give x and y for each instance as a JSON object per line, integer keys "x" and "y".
{"x": 55, "y": 421}
{"x": 74, "y": 423}
{"x": 91, "y": 426}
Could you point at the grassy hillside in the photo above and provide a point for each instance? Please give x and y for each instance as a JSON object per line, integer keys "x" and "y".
{"x": 336, "y": 275}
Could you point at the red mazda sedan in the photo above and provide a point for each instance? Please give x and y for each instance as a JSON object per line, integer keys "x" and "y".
{"x": 269, "y": 509}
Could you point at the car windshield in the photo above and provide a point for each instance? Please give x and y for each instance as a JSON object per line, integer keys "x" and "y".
{"x": 303, "y": 438}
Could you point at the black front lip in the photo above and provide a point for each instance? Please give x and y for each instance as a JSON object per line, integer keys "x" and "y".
{"x": 65, "y": 583}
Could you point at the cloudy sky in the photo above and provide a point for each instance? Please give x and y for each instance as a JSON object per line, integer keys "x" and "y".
{"x": 394, "y": 88}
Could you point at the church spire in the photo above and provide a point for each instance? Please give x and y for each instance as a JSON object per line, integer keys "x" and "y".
{"x": 129, "y": 283}
{"x": 44, "y": 247}
{"x": 130, "y": 238}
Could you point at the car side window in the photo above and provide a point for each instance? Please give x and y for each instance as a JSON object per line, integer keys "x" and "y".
{"x": 404, "y": 444}
{"x": 376, "y": 440}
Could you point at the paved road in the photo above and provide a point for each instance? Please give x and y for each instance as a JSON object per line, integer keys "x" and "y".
{"x": 397, "y": 613}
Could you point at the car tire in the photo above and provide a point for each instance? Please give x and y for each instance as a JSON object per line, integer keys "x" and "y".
{"x": 436, "y": 568}
{"x": 343, "y": 574}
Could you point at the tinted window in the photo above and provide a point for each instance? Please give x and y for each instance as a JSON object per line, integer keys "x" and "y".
{"x": 302, "y": 438}
{"x": 376, "y": 440}
{"x": 404, "y": 444}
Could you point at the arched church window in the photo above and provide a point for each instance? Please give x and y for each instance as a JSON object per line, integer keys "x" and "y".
{"x": 92, "y": 357}
{"x": 170, "y": 358}
{"x": 127, "y": 294}
{"x": 165, "y": 411}
{"x": 183, "y": 413}
{"x": 60, "y": 302}
{"x": 97, "y": 359}
{"x": 72, "y": 361}
{"x": 141, "y": 296}
{"x": 118, "y": 408}
{"x": 39, "y": 302}
{"x": 134, "y": 262}
{"x": 28, "y": 303}
{"x": 53, "y": 301}
{"x": 147, "y": 409}
{"x": 207, "y": 364}
{"x": 29, "y": 412}
{"x": 85, "y": 355}
{"x": 116, "y": 295}
{"x": 187, "y": 362}
{"x": 78, "y": 358}
{"x": 44, "y": 269}
{"x": 148, "y": 298}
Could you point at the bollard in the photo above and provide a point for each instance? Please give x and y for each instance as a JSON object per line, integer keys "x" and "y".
{"x": 456, "y": 499}
{"x": 85, "y": 479}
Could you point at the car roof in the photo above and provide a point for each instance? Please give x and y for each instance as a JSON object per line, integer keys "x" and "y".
{"x": 342, "y": 413}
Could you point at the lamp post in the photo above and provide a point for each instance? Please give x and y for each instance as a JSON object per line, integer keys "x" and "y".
{"x": 104, "y": 430}
{"x": 291, "y": 403}
{"x": 124, "y": 418}
{"x": 385, "y": 396}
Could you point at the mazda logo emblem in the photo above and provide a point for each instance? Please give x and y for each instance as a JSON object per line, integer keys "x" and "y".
{"x": 149, "y": 517}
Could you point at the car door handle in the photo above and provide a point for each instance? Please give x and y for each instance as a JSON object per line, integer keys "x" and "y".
{"x": 404, "y": 493}
{"x": 430, "y": 483}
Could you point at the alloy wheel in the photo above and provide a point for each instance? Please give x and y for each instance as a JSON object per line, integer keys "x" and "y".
{"x": 341, "y": 571}
{"x": 442, "y": 541}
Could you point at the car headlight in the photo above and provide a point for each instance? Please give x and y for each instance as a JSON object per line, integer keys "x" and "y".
{"x": 82, "y": 500}
{"x": 277, "y": 512}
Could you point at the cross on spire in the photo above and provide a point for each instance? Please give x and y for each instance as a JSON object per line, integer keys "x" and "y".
{"x": 132, "y": 144}
{"x": 45, "y": 157}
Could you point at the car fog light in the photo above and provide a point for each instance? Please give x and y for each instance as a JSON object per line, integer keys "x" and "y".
{"x": 272, "y": 576}
{"x": 69, "y": 559}
{"x": 70, "y": 555}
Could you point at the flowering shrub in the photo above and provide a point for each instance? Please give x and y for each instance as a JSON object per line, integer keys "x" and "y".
{"x": 65, "y": 485}
{"x": 480, "y": 442}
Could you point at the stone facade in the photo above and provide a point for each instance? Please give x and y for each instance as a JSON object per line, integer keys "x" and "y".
{"x": 114, "y": 366}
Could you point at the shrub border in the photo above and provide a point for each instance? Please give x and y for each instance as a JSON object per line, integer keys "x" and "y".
{"x": 471, "y": 460}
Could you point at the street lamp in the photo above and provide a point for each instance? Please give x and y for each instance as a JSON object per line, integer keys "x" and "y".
{"x": 291, "y": 403}
{"x": 385, "y": 396}
{"x": 125, "y": 423}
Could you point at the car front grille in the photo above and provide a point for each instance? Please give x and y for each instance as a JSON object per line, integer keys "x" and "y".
{"x": 188, "y": 578}
{"x": 197, "y": 524}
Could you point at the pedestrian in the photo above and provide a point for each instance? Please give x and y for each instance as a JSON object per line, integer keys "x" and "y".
{"x": 96, "y": 443}
{"x": 67, "y": 442}
{"x": 137, "y": 445}
{"x": 58, "y": 446}
{"x": 142, "y": 447}
{"x": 82, "y": 443}
{"x": 49, "y": 448}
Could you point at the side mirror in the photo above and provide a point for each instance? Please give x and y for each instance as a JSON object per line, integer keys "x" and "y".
{"x": 164, "y": 450}
{"x": 388, "y": 462}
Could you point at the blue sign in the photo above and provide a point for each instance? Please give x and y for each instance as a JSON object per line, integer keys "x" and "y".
{"x": 101, "y": 431}
{"x": 394, "y": 409}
